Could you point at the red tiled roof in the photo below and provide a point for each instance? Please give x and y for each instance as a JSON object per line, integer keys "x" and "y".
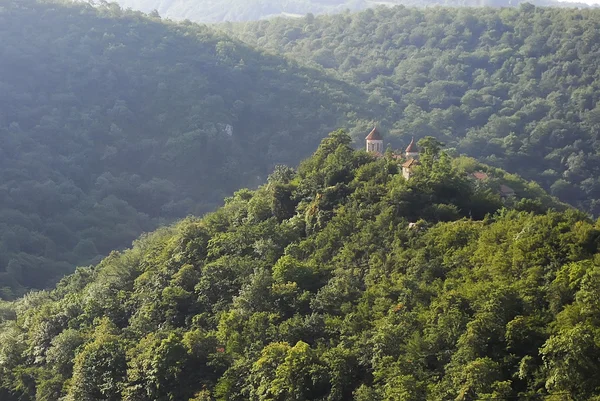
{"x": 410, "y": 163}
{"x": 480, "y": 175}
{"x": 374, "y": 136}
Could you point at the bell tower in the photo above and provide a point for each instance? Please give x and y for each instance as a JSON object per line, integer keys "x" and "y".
{"x": 374, "y": 142}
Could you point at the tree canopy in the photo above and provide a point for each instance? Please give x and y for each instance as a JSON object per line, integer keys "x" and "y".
{"x": 113, "y": 123}
{"x": 517, "y": 88}
{"x": 316, "y": 286}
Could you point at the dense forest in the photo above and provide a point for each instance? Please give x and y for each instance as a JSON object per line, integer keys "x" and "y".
{"x": 340, "y": 280}
{"x": 249, "y": 10}
{"x": 112, "y": 123}
{"x": 518, "y": 88}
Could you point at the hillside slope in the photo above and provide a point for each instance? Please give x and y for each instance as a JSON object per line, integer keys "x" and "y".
{"x": 112, "y": 123}
{"x": 517, "y": 88}
{"x": 315, "y": 287}
{"x": 251, "y": 10}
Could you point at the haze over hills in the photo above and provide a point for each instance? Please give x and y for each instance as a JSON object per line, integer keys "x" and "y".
{"x": 249, "y": 10}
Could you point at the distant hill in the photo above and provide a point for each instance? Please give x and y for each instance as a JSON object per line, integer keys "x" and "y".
{"x": 338, "y": 281}
{"x": 112, "y": 123}
{"x": 249, "y": 10}
{"x": 515, "y": 87}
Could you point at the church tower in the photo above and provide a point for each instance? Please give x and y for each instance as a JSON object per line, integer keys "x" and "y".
{"x": 412, "y": 152}
{"x": 412, "y": 156}
{"x": 374, "y": 142}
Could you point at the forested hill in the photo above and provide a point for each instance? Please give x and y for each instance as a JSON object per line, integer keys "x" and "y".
{"x": 317, "y": 287}
{"x": 517, "y": 88}
{"x": 249, "y": 10}
{"x": 112, "y": 123}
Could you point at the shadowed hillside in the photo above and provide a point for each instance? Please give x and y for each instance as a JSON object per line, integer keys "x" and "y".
{"x": 112, "y": 123}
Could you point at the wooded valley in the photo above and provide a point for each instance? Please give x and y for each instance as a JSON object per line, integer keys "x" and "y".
{"x": 259, "y": 274}
{"x": 112, "y": 123}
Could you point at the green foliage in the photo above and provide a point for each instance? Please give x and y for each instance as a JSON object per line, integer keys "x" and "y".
{"x": 99, "y": 369}
{"x": 156, "y": 368}
{"x": 94, "y": 155}
{"x": 514, "y": 87}
{"x": 339, "y": 298}
{"x": 113, "y": 123}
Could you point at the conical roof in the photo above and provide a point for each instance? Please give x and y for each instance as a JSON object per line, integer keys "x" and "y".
{"x": 412, "y": 148}
{"x": 374, "y": 136}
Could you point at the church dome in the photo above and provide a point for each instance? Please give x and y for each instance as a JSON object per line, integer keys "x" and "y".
{"x": 374, "y": 136}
